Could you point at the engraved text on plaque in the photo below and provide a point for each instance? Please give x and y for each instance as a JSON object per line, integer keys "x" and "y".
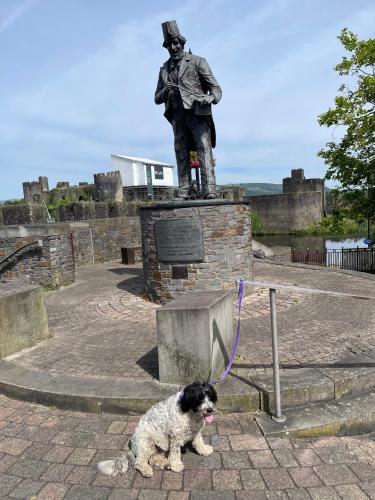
{"x": 179, "y": 240}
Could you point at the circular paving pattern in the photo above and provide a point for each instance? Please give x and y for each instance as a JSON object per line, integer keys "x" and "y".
{"x": 102, "y": 325}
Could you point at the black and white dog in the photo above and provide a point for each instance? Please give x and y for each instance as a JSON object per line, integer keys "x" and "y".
{"x": 167, "y": 426}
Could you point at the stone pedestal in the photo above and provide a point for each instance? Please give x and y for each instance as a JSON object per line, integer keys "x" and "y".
{"x": 23, "y": 317}
{"x": 194, "y": 245}
{"x": 195, "y": 337}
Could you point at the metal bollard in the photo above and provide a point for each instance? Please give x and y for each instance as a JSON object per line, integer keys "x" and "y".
{"x": 278, "y": 417}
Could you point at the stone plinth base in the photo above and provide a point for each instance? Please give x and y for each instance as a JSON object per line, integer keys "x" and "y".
{"x": 195, "y": 337}
{"x": 23, "y": 317}
{"x": 194, "y": 245}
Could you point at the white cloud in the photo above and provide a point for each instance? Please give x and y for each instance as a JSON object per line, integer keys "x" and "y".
{"x": 15, "y": 14}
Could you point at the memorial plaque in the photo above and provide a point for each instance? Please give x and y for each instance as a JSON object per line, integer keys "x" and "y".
{"x": 180, "y": 272}
{"x": 179, "y": 240}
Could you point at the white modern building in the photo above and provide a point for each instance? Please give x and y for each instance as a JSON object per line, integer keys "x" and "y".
{"x": 142, "y": 171}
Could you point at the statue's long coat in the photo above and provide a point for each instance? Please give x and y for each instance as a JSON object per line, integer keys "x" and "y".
{"x": 194, "y": 77}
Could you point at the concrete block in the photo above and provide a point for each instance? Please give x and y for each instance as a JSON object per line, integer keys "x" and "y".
{"x": 195, "y": 337}
{"x": 23, "y": 317}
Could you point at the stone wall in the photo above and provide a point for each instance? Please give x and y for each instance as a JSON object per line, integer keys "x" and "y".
{"x": 73, "y": 193}
{"x": 101, "y": 240}
{"x": 28, "y": 213}
{"x": 50, "y": 264}
{"x": 90, "y": 211}
{"x": 284, "y": 213}
{"x": 34, "y": 213}
{"x": 227, "y": 253}
{"x": 64, "y": 246}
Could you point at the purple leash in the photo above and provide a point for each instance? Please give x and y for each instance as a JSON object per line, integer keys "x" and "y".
{"x": 236, "y": 340}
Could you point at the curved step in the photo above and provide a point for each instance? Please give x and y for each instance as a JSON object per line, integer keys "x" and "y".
{"x": 108, "y": 394}
{"x": 301, "y": 386}
{"x": 351, "y": 415}
{"x": 117, "y": 395}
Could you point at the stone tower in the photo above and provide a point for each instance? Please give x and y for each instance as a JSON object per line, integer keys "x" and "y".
{"x": 35, "y": 191}
{"x": 109, "y": 186}
{"x": 297, "y": 183}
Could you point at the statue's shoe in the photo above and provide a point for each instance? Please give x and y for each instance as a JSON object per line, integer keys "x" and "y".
{"x": 211, "y": 196}
{"x": 182, "y": 195}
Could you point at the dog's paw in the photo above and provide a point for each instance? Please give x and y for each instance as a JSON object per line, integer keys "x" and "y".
{"x": 145, "y": 470}
{"x": 176, "y": 466}
{"x": 159, "y": 461}
{"x": 205, "y": 450}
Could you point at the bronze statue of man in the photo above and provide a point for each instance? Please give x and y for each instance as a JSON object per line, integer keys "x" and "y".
{"x": 188, "y": 88}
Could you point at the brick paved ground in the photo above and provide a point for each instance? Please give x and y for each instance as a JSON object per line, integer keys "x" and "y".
{"x": 102, "y": 324}
{"x": 47, "y": 453}
{"x": 314, "y": 330}
{"x": 97, "y": 325}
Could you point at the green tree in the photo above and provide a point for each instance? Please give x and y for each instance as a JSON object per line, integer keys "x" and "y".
{"x": 351, "y": 159}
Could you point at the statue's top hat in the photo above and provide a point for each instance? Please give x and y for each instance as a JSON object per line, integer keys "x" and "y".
{"x": 170, "y": 30}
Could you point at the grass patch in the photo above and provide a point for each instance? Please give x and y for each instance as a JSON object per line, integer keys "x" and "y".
{"x": 336, "y": 224}
{"x": 49, "y": 287}
{"x": 256, "y": 223}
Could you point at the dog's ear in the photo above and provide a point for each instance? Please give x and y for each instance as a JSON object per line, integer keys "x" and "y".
{"x": 192, "y": 397}
{"x": 211, "y": 392}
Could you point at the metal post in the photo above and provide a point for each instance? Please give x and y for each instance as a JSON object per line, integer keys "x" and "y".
{"x": 357, "y": 268}
{"x": 278, "y": 417}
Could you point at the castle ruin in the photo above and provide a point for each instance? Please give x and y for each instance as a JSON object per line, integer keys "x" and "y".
{"x": 109, "y": 186}
{"x": 302, "y": 203}
{"x": 297, "y": 183}
{"x": 36, "y": 191}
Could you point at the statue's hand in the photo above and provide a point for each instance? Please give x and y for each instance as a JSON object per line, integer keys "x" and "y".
{"x": 207, "y": 99}
{"x": 167, "y": 89}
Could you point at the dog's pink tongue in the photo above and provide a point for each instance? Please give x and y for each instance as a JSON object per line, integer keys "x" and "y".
{"x": 209, "y": 418}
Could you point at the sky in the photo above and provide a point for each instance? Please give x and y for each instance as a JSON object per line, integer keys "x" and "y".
{"x": 78, "y": 79}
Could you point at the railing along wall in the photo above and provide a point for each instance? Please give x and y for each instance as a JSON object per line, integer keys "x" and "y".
{"x": 18, "y": 251}
{"x": 355, "y": 259}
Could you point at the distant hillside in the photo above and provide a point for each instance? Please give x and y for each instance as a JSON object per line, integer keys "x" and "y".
{"x": 259, "y": 188}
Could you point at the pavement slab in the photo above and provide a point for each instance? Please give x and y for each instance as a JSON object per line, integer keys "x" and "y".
{"x": 243, "y": 465}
